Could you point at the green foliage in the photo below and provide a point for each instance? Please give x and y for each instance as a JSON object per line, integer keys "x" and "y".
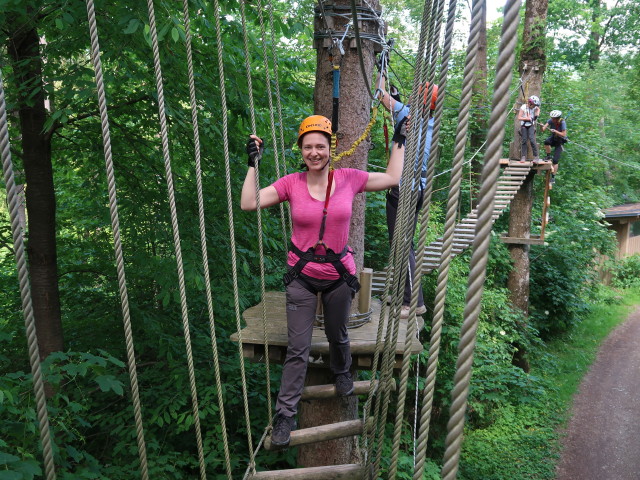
{"x": 626, "y": 272}
{"x": 495, "y": 452}
{"x": 564, "y": 272}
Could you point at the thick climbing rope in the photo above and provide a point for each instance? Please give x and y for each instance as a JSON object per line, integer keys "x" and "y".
{"x": 282, "y": 170}
{"x": 203, "y": 235}
{"x": 25, "y": 291}
{"x": 277, "y": 152}
{"x": 232, "y": 236}
{"x": 252, "y": 116}
{"x": 176, "y": 236}
{"x": 477, "y": 275}
{"x": 450, "y": 224}
{"x": 429, "y": 66}
{"x": 117, "y": 243}
{"x": 281, "y": 205}
{"x": 399, "y": 253}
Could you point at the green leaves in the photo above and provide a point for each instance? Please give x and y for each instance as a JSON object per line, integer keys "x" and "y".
{"x": 109, "y": 383}
{"x": 132, "y": 26}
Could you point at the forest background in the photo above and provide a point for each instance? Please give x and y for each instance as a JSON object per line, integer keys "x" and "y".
{"x": 592, "y": 75}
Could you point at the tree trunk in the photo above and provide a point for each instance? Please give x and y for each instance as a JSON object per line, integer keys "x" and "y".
{"x": 480, "y": 99}
{"x": 354, "y": 116}
{"x": 40, "y": 197}
{"x": 532, "y": 65}
{"x": 594, "y": 35}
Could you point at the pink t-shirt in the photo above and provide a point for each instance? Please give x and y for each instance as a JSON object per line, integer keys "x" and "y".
{"x": 306, "y": 214}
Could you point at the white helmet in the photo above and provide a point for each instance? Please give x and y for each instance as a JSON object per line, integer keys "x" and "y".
{"x": 555, "y": 114}
{"x": 535, "y": 100}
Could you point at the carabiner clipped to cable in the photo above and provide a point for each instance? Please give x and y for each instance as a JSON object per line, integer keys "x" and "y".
{"x": 377, "y": 98}
{"x": 346, "y": 30}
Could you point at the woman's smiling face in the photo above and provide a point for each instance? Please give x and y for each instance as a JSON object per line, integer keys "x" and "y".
{"x": 315, "y": 150}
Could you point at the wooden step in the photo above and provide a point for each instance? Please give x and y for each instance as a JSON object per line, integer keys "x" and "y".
{"x": 317, "y": 392}
{"x": 353, "y": 471}
{"x": 321, "y": 433}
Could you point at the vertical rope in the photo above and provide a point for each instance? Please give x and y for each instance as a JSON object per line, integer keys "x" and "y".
{"x": 416, "y": 283}
{"x": 176, "y": 235}
{"x": 477, "y": 274}
{"x": 232, "y": 236}
{"x": 252, "y": 115}
{"x": 265, "y": 56}
{"x": 281, "y": 164}
{"x": 450, "y": 224}
{"x": 25, "y": 291}
{"x": 203, "y": 234}
{"x": 398, "y": 264}
{"x": 117, "y": 244}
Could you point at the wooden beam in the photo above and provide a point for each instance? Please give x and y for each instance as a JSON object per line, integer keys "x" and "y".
{"x": 317, "y": 392}
{"x": 523, "y": 241}
{"x": 331, "y": 472}
{"x": 364, "y": 295}
{"x": 322, "y": 433}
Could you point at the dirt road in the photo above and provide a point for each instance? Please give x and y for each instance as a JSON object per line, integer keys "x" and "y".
{"x": 603, "y": 436}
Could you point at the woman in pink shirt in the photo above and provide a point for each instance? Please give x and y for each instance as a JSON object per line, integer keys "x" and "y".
{"x": 319, "y": 259}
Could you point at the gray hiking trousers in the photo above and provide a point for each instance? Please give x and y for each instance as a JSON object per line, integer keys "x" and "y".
{"x": 528, "y": 134}
{"x": 301, "y": 313}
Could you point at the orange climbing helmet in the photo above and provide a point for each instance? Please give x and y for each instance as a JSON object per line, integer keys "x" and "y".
{"x": 314, "y": 123}
{"x": 434, "y": 95}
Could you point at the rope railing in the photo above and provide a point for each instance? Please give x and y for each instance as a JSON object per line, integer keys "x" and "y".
{"x": 403, "y": 235}
{"x": 267, "y": 72}
{"x": 117, "y": 243}
{"x": 203, "y": 236}
{"x": 176, "y": 236}
{"x": 252, "y": 116}
{"x": 477, "y": 275}
{"x": 25, "y": 291}
{"x": 416, "y": 276}
{"x": 450, "y": 223}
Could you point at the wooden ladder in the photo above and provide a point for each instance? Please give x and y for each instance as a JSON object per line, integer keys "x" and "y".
{"x": 322, "y": 433}
{"x": 509, "y": 183}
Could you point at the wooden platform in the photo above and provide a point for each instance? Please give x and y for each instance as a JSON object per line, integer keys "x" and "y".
{"x": 363, "y": 338}
{"x": 540, "y": 167}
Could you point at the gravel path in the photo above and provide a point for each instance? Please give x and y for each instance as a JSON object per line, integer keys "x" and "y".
{"x": 603, "y": 435}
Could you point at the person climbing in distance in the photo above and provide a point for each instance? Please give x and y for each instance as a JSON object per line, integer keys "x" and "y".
{"x": 400, "y": 112}
{"x": 557, "y": 139}
{"x": 319, "y": 259}
{"x": 528, "y": 114}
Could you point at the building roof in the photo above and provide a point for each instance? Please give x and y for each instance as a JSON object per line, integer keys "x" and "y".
{"x": 621, "y": 211}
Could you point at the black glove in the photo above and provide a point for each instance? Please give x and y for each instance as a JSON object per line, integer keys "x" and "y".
{"x": 254, "y": 152}
{"x": 400, "y": 132}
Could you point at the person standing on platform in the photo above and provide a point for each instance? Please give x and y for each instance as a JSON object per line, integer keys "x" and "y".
{"x": 319, "y": 259}
{"x": 557, "y": 139}
{"x": 528, "y": 114}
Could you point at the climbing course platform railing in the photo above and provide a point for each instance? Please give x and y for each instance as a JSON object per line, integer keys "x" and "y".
{"x": 509, "y": 183}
